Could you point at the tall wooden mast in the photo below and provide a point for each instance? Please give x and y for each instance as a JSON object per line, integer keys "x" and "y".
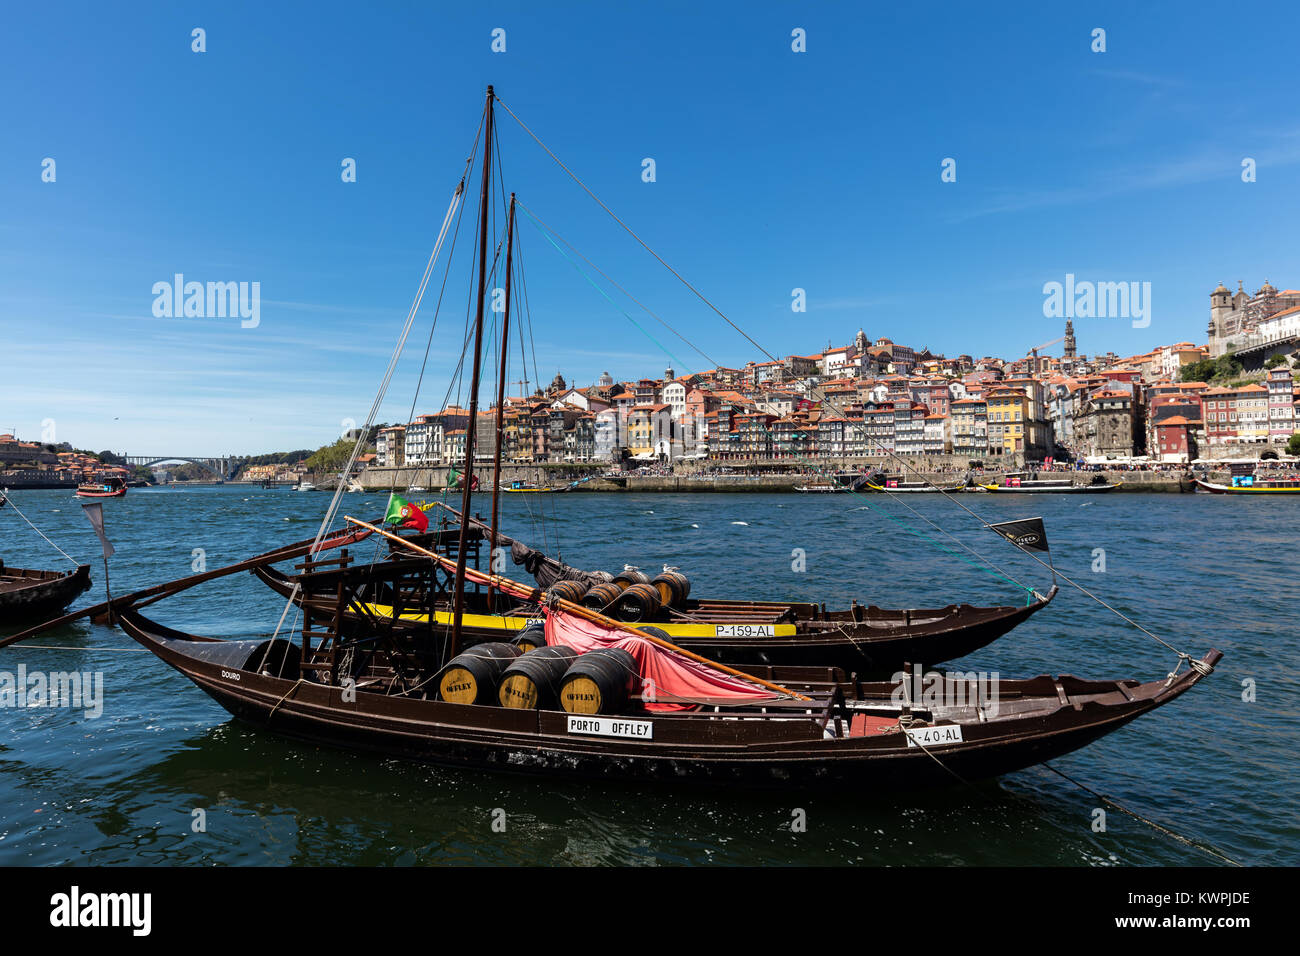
{"x": 501, "y": 393}
{"x": 467, "y": 474}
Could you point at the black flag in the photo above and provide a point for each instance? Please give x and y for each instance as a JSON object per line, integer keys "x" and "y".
{"x": 1028, "y": 534}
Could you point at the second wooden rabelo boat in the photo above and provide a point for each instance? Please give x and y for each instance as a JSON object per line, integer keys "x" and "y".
{"x": 33, "y": 595}
{"x": 865, "y": 639}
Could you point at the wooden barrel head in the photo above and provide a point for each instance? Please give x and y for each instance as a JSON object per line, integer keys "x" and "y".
{"x": 518, "y": 691}
{"x": 458, "y": 686}
{"x": 580, "y": 695}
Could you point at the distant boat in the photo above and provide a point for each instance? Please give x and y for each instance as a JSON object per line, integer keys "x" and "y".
{"x": 1015, "y": 484}
{"x": 523, "y": 487}
{"x": 110, "y": 488}
{"x": 1268, "y": 486}
{"x": 895, "y": 486}
{"x": 416, "y": 489}
{"x": 304, "y": 485}
{"x": 822, "y": 487}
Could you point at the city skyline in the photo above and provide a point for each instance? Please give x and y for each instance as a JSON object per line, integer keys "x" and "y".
{"x": 775, "y": 170}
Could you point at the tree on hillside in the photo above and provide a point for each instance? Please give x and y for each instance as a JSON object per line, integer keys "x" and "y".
{"x": 1274, "y": 361}
{"x": 1293, "y": 446}
{"x": 331, "y": 459}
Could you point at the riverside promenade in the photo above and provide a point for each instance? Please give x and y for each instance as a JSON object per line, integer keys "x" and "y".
{"x": 432, "y": 479}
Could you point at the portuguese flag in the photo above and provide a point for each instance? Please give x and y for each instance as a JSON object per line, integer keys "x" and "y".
{"x": 404, "y": 514}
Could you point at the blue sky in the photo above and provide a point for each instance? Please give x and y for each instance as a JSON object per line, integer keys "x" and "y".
{"x": 775, "y": 170}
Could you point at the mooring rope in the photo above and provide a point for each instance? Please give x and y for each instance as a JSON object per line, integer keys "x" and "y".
{"x": 1137, "y": 816}
{"x": 8, "y": 500}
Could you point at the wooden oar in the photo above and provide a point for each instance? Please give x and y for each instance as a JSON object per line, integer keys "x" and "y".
{"x": 577, "y": 610}
{"x": 160, "y": 591}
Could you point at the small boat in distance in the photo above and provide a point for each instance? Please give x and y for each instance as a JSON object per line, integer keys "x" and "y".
{"x": 304, "y": 485}
{"x": 898, "y": 486}
{"x": 1019, "y": 483}
{"x": 822, "y": 487}
{"x": 107, "y": 488}
{"x": 1244, "y": 481}
{"x": 523, "y": 487}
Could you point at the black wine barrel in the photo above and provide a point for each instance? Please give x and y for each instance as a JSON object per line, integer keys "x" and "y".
{"x": 599, "y": 682}
{"x": 628, "y": 578}
{"x": 569, "y": 590}
{"x": 638, "y": 603}
{"x": 530, "y": 638}
{"x": 472, "y": 677}
{"x": 601, "y": 596}
{"x": 532, "y": 682}
{"x": 673, "y": 587}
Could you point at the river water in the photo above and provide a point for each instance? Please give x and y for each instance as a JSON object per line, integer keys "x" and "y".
{"x": 1200, "y": 571}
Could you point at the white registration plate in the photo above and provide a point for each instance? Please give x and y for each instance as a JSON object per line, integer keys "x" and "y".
{"x": 934, "y": 736}
{"x": 610, "y": 727}
{"x": 745, "y": 630}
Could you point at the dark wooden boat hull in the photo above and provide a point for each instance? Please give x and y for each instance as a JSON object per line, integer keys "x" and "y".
{"x": 684, "y": 749}
{"x": 877, "y": 645}
{"x": 48, "y": 593}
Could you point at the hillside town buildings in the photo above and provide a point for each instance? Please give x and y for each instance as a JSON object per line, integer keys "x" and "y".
{"x": 869, "y": 399}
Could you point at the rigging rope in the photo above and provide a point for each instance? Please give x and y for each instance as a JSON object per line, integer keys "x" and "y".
{"x": 332, "y": 511}
{"x": 703, "y": 298}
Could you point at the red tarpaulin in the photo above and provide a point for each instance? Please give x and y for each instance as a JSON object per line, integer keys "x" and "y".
{"x": 669, "y": 681}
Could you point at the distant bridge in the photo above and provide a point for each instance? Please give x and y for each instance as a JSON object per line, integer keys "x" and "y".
{"x": 223, "y": 467}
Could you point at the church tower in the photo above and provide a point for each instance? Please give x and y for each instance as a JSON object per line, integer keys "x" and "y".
{"x": 1220, "y": 306}
{"x": 1071, "y": 350}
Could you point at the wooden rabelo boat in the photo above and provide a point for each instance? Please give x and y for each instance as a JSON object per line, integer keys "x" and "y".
{"x": 107, "y": 488}
{"x": 601, "y": 698}
{"x": 844, "y": 731}
{"x": 27, "y": 595}
{"x": 863, "y": 639}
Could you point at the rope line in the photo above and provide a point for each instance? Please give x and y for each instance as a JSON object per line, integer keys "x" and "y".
{"x": 1137, "y": 816}
{"x": 703, "y": 298}
{"x": 8, "y": 500}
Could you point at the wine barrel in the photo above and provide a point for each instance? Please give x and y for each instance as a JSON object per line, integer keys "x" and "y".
{"x": 569, "y": 590}
{"x": 628, "y": 578}
{"x": 472, "y": 677}
{"x": 598, "y": 682}
{"x": 601, "y": 596}
{"x": 530, "y": 638}
{"x": 532, "y": 682}
{"x": 638, "y": 603}
{"x": 674, "y": 588}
